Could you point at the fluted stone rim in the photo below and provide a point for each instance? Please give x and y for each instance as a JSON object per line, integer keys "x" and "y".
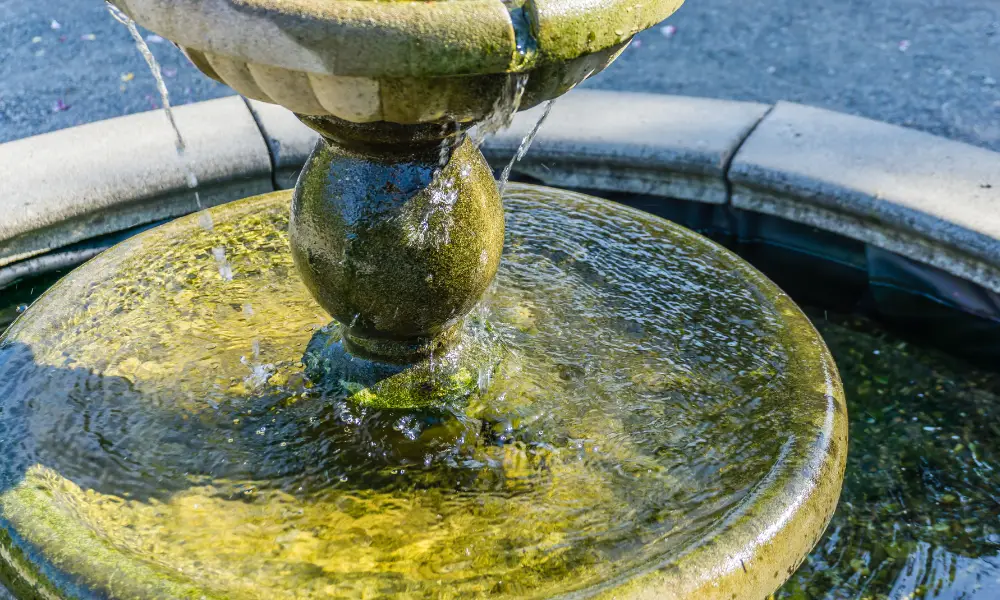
{"x": 403, "y": 38}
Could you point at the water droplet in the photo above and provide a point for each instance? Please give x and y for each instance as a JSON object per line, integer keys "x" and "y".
{"x": 225, "y": 269}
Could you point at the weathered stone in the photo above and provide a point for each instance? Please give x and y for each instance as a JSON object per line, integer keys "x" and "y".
{"x": 289, "y": 140}
{"x": 566, "y": 29}
{"x": 393, "y": 246}
{"x": 663, "y": 145}
{"x": 930, "y": 199}
{"x": 399, "y": 39}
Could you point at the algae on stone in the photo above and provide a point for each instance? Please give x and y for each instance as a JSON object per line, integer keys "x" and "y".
{"x": 653, "y": 392}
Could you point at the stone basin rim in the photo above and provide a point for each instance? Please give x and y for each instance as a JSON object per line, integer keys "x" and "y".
{"x": 247, "y": 148}
{"x": 755, "y": 547}
{"x": 405, "y": 38}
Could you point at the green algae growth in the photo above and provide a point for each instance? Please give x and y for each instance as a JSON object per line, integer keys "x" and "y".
{"x": 162, "y": 437}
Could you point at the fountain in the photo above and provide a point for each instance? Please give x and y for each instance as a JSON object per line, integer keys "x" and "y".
{"x": 359, "y": 398}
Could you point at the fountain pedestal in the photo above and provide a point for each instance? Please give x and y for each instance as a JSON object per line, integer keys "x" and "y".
{"x": 397, "y": 226}
{"x": 397, "y": 233}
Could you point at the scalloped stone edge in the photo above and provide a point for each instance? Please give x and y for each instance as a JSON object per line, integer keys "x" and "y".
{"x": 362, "y": 38}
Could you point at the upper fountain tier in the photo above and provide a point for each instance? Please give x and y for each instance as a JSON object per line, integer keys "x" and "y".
{"x": 402, "y": 61}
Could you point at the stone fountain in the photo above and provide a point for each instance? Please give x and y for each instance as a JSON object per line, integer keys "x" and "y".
{"x": 359, "y": 398}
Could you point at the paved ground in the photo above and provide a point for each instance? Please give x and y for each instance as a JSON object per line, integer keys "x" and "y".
{"x": 929, "y": 64}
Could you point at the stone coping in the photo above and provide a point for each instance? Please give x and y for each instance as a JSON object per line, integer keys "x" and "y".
{"x": 927, "y": 198}
{"x": 68, "y": 186}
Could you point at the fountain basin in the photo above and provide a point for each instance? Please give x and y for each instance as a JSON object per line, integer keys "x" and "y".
{"x": 669, "y": 158}
{"x": 634, "y": 464}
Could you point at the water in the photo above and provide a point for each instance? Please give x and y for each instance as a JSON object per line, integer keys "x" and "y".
{"x": 161, "y": 86}
{"x": 919, "y": 515}
{"x": 504, "y": 108}
{"x": 522, "y": 149}
{"x": 170, "y": 433}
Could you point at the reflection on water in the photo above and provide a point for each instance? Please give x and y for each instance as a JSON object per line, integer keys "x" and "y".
{"x": 919, "y": 516}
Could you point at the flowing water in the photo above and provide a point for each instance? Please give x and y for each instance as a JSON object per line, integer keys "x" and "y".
{"x": 161, "y": 87}
{"x": 156, "y": 413}
{"x": 522, "y": 149}
{"x": 504, "y": 108}
{"x": 919, "y": 511}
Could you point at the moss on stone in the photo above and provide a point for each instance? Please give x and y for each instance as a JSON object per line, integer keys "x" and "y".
{"x": 660, "y": 402}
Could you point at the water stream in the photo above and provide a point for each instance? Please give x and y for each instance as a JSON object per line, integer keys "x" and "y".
{"x": 161, "y": 86}
{"x": 504, "y": 108}
{"x": 522, "y": 149}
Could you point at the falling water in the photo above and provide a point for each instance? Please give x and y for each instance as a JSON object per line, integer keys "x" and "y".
{"x": 161, "y": 86}
{"x": 525, "y": 144}
{"x": 444, "y": 152}
{"x": 225, "y": 268}
{"x": 504, "y": 108}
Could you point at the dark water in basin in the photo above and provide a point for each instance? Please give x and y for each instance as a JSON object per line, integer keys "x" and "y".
{"x": 919, "y": 515}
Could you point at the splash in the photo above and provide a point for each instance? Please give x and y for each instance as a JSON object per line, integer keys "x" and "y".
{"x": 225, "y": 267}
{"x": 500, "y": 117}
{"x": 260, "y": 372}
{"x": 161, "y": 87}
{"x": 433, "y": 226}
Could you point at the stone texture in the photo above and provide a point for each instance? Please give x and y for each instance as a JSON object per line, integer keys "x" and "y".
{"x": 399, "y": 39}
{"x": 80, "y": 183}
{"x": 395, "y": 250}
{"x": 927, "y": 198}
{"x": 407, "y": 100}
{"x": 643, "y": 143}
{"x": 347, "y": 37}
{"x": 569, "y": 28}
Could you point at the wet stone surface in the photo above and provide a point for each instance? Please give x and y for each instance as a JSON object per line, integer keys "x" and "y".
{"x": 162, "y": 433}
{"x": 918, "y": 512}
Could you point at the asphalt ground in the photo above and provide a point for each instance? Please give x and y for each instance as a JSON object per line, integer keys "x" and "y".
{"x": 932, "y": 65}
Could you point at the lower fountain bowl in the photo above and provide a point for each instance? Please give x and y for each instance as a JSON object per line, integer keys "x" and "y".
{"x": 664, "y": 422}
